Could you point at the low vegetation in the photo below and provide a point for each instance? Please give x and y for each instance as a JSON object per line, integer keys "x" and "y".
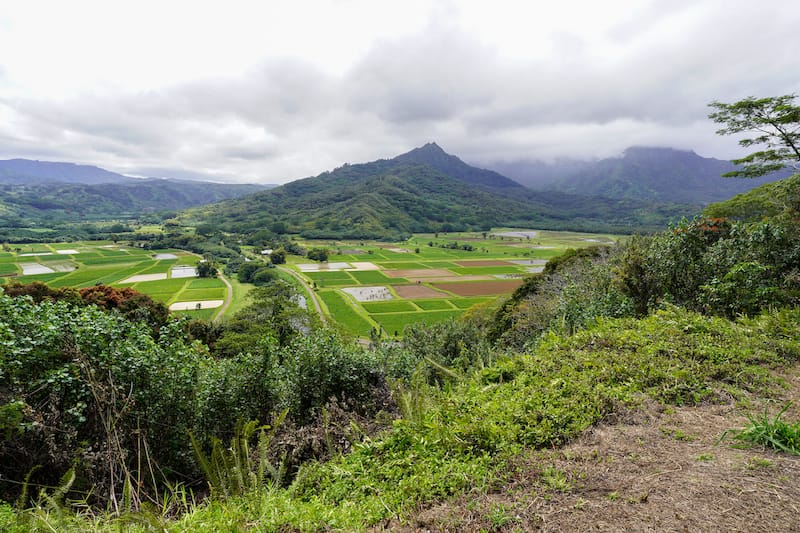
{"x": 274, "y": 421}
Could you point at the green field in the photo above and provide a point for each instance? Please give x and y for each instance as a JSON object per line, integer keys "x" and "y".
{"x": 393, "y": 324}
{"x": 490, "y": 259}
{"x": 345, "y": 314}
{"x": 414, "y": 296}
{"x": 434, "y": 305}
{"x": 389, "y": 307}
{"x": 100, "y": 262}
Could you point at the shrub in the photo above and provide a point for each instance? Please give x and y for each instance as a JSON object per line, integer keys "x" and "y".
{"x": 321, "y": 366}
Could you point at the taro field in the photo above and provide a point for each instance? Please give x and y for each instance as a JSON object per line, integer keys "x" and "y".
{"x": 367, "y": 286}
{"x": 168, "y": 276}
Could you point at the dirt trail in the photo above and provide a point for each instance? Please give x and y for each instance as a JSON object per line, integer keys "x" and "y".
{"x": 657, "y": 469}
{"x": 228, "y": 297}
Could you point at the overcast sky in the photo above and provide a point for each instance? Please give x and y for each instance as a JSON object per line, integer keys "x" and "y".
{"x": 272, "y": 91}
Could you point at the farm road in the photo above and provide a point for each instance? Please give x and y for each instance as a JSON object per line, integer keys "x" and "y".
{"x": 228, "y": 297}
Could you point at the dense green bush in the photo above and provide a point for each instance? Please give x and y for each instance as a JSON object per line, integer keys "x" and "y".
{"x": 97, "y": 390}
{"x": 321, "y": 366}
{"x": 569, "y": 294}
{"x": 707, "y": 265}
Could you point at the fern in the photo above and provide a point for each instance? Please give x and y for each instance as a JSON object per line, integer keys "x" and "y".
{"x": 236, "y": 470}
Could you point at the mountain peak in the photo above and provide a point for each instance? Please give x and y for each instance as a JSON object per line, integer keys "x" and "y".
{"x": 433, "y": 155}
{"x": 431, "y": 147}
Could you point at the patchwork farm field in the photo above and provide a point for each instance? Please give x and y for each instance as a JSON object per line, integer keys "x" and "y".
{"x": 364, "y": 286}
{"x": 429, "y": 278}
{"x": 83, "y": 264}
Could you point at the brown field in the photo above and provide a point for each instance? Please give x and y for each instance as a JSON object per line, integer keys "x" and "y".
{"x": 419, "y": 273}
{"x": 488, "y": 288}
{"x": 417, "y": 291}
{"x": 484, "y": 263}
{"x": 450, "y": 278}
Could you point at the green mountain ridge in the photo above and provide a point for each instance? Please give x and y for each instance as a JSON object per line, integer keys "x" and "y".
{"x": 424, "y": 190}
{"x": 48, "y": 203}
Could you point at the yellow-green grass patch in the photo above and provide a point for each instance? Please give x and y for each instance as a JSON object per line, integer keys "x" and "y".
{"x": 8, "y": 268}
{"x": 44, "y": 278}
{"x": 99, "y": 261}
{"x": 489, "y": 270}
{"x": 409, "y": 265}
{"x": 33, "y": 248}
{"x": 187, "y": 259}
{"x": 241, "y": 297}
{"x": 161, "y": 286}
{"x": 395, "y": 323}
{"x": 335, "y": 275}
{"x": 158, "y": 267}
{"x": 395, "y": 306}
{"x": 205, "y": 283}
{"x": 344, "y": 313}
{"x": 433, "y": 305}
{"x": 218, "y": 293}
{"x": 84, "y": 277}
{"x": 466, "y": 303}
{"x": 370, "y": 277}
{"x": 202, "y": 314}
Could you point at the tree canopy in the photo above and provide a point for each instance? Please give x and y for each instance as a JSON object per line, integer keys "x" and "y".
{"x": 775, "y": 124}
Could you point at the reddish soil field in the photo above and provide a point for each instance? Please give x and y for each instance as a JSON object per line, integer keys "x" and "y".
{"x": 419, "y": 273}
{"x": 487, "y": 288}
{"x": 417, "y": 291}
{"x": 451, "y": 278}
{"x": 485, "y": 263}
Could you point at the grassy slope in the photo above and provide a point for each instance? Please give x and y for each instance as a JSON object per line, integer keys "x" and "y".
{"x": 473, "y": 437}
{"x": 465, "y": 441}
{"x": 764, "y": 201}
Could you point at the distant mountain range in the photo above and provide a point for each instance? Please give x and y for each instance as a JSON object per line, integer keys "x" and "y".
{"x": 424, "y": 190}
{"x": 44, "y": 193}
{"x": 644, "y": 173}
{"x": 28, "y": 172}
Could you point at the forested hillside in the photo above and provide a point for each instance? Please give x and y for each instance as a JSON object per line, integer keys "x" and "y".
{"x": 26, "y": 205}
{"x": 425, "y": 190}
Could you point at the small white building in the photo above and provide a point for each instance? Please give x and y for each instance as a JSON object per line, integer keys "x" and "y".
{"x": 266, "y": 252}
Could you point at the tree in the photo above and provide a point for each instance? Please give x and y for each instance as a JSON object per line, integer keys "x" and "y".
{"x": 775, "y": 122}
{"x": 206, "y": 269}
{"x": 318, "y": 254}
{"x": 278, "y": 257}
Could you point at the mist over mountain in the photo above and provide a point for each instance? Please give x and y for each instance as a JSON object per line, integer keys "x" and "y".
{"x": 644, "y": 173}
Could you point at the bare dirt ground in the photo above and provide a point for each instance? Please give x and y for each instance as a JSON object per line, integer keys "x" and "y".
{"x": 653, "y": 469}
{"x": 144, "y": 277}
{"x": 417, "y": 291}
{"x": 196, "y": 305}
{"x": 487, "y": 288}
{"x": 451, "y": 278}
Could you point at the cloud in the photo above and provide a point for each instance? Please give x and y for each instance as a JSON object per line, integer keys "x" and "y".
{"x": 487, "y": 84}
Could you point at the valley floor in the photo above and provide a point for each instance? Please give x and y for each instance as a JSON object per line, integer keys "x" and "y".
{"x": 655, "y": 469}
